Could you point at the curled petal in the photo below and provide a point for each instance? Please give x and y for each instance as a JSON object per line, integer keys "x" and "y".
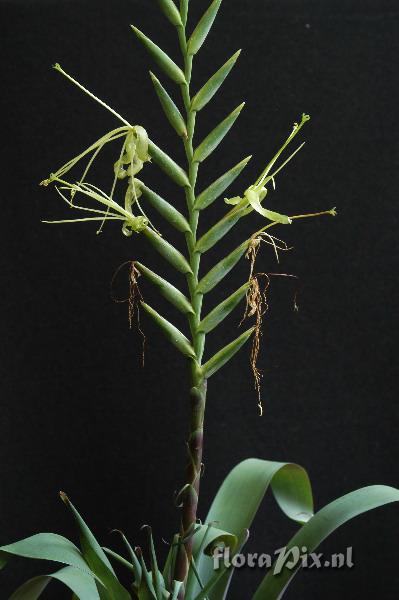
{"x": 253, "y": 198}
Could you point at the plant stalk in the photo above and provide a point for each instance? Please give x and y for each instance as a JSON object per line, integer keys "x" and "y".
{"x": 190, "y": 490}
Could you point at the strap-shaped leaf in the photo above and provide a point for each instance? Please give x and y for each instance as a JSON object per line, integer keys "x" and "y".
{"x": 239, "y": 498}
{"x": 201, "y": 31}
{"x": 46, "y": 546}
{"x": 219, "y": 359}
{"x": 168, "y": 212}
{"x": 221, "y": 184}
{"x": 176, "y": 337}
{"x": 222, "y": 310}
{"x": 212, "y": 141}
{"x": 161, "y": 58}
{"x": 96, "y": 557}
{"x": 219, "y": 230}
{"x": 80, "y": 583}
{"x": 171, "y": 12}
{"x": 169, "y": 252}
{"x": 221, "y": 269}
{"x": 324, "y": 522}
{"x": 168, "y": 165}
{"x": 207, "y": 92}
{"x": 169, "y": 107}
{"x": 168, "y": 291}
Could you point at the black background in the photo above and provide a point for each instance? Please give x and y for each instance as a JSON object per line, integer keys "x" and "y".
{"x": 78, "y": 412}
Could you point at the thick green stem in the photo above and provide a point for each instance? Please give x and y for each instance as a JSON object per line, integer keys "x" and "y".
{"x": 190, "y": 490}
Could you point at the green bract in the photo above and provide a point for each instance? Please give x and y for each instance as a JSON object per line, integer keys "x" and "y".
{"x": 188, "y": 572}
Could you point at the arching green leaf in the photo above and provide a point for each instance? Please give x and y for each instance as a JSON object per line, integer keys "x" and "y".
{"x": 46, "y": 546}
{"x": 324, "y": 522}
{"x": 239, "y": 497}
{"x": 80, "y": 583}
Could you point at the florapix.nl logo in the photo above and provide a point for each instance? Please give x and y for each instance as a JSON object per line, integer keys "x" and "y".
{"x": 283, "y": 558}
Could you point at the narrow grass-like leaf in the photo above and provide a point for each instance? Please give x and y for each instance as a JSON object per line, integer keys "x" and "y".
{"x": 207, "y": 92}
{"x": 219, "y": 230}
{"x": 168, "y": 291}
{"x": 212, "y": 141}
{"x": 146, "y": 589}
{"x": 119, "y": 559}
{"x": 81, "y": 584}
{"x": 96, "y": 557}
{"x": 202, "y": 29}
{"x": 240, "y": 496}
{"x": 161, "y": 58}
{"x": 168, "y": 569}
{"x": 219, "y": 359}
{"x": 168, "y": 165}
{"x": 157, "y": 579}
{"x": 166, "y": 210}
{"x": 169, "y": 107}
{"x": 221, "y": 184}
{"x": 133, "y": 557}
{"x": 171, "y": 12}
{"x": 324, "y": 522}
{"x": 176, "y": 337}
{"x": 221, "y": 269}
{"x": 169, "y": 252}
{"x": 222, "y": 310}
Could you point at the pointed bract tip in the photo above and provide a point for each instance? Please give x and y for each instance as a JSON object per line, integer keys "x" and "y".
{"x": 64, "y": 497}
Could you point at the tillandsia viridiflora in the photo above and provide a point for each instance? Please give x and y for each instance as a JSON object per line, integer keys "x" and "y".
{"x": 189, "y": 573}
{"x": 136, "y": 149}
